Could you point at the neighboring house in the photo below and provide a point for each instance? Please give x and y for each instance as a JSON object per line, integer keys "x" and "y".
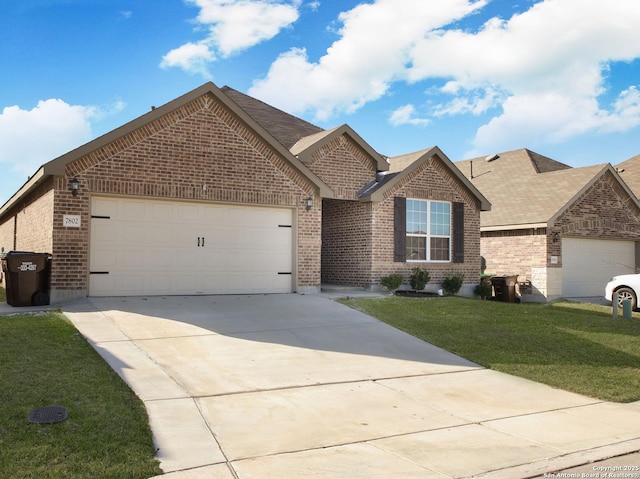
{"x": 217, "y": 192}
{"x": 629, "y": 171}
{"x": 565, "y": 230}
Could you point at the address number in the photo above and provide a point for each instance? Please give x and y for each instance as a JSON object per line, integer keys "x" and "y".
{"x": 71, "y": 221}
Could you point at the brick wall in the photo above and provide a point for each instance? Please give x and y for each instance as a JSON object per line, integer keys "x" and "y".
{"x": 7, "y": 233}
{"x": 343, "y": 166}
{"x": 514, "y": 252}
{"x": 432, "y": 181}
{"x": 358, "y": 237}
{"x": 603, "y": 211}
{"x": 346, "y": 242}
{"x": 28, "y": 226}
{"x": 201, "y": 143}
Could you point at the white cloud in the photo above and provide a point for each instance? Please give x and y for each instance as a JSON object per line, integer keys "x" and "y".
{"x": 405, "y": 116}
{"x": 373, "y": 50}
{"x": 473, "y": 102}
{"x": 30, "y": 138}
{"x": 191, "y": 57}
{"x": 233, "y": 26}
{"x": 541, "y": 74}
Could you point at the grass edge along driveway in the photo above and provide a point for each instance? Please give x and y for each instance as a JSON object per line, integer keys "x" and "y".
{"x": 44, "y": 361}
{"x": 577, "y": 347}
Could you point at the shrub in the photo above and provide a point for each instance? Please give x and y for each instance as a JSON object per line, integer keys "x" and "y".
{"x": 483, "y": 290}
{"x": 392, "y": 282}
{"x": 419, "y": 278}
{"x": 452, "y": 283}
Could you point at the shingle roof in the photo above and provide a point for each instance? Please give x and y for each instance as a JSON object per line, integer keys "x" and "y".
{"x": 285, "y": 128}
{"x": 629, "y": 171}
{"x": 526, "y": 189}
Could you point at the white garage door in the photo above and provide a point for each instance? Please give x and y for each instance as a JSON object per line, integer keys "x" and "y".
{"x": 588, "y": 264}
{"x": 146, "y": 247}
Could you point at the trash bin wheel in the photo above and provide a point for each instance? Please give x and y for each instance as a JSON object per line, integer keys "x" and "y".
{"x": 40, "y": 298}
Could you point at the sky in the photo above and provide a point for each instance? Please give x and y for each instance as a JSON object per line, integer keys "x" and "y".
{"x": 474, "y": 77}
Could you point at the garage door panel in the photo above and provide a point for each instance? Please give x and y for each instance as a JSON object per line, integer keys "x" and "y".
{"x": 588, "y": 264}
{"x": 156, "y": 247}
{"x": 101, "y": 284}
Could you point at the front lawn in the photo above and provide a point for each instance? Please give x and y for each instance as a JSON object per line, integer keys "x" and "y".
{"x": 574, "y": 346}
{"x": 44, "y": 361}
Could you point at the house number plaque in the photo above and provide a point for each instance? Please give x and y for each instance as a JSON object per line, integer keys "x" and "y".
{"x": 71, "y": 221}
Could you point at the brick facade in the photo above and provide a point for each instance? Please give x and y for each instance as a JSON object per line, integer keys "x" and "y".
{"x": 343, "y": 166}
{"x": 173, "y": 157}
{"x": 358, "y": 239}
{"x": 347, "y": 234}
{"x": 432, "y": 181}
{"x": 203, "y": 149}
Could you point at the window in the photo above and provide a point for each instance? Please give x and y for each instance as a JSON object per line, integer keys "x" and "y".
{"x": 428, "y": 230}
{"x": 411, "y": 235}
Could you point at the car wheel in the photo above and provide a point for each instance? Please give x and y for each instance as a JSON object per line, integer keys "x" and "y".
{"x": 627, "y": 293}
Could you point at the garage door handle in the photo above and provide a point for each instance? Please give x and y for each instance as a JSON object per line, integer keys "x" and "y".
{"x": 203, "y": 241}
{"x": 200, "y": 243}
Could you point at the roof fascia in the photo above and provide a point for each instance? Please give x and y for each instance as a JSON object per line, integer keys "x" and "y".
{"x": 32, "y": 183}
{"x": 305, "y": 155}
{"x": 590, "y": 183}
{"x": 378, "y": 195}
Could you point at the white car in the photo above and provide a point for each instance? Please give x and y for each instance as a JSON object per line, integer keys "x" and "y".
{"x": 627, "y": 286}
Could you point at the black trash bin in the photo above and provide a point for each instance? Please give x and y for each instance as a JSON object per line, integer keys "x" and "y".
{"x": 27, "y": 277}
{"x": 505, "y": 288}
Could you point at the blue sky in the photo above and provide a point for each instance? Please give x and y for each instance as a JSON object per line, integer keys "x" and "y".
{"x": 474, "y": 77}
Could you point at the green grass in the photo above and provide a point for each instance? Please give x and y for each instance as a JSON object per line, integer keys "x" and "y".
{"x": 44, "y": 361}
{"x": 573, "y": 346}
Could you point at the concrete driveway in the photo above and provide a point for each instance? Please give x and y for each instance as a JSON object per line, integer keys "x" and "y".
{"x": 271, "y": 386}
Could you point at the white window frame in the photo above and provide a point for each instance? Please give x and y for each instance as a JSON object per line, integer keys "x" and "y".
{"x": 428, "y": 236}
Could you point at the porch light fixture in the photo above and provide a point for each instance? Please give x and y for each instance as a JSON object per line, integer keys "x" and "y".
{"x": 556, "y": 236}
{"x": 75, "y": 184}
{"x": 309, "y": 203}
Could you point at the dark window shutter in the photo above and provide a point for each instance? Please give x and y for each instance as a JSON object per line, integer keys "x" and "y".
{"x": 399, "y": 229}
{"x": 458, "y": 232}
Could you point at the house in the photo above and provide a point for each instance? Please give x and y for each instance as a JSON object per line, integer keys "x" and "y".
{"x": 629, "y": 171}
{"x": 564, "y": 231}
{"x": 217, "y": 193}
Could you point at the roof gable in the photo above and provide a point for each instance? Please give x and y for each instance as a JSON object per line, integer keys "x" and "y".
{"x": 56, "y": 167}
{"x": 305, "y": 147}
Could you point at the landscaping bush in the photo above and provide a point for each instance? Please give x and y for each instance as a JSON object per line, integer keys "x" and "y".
{"x": 392, "y": 282}
{"x": 452, "y": 283}
{"x": 483, "y": 290}
{"x": 419, "y": 278}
